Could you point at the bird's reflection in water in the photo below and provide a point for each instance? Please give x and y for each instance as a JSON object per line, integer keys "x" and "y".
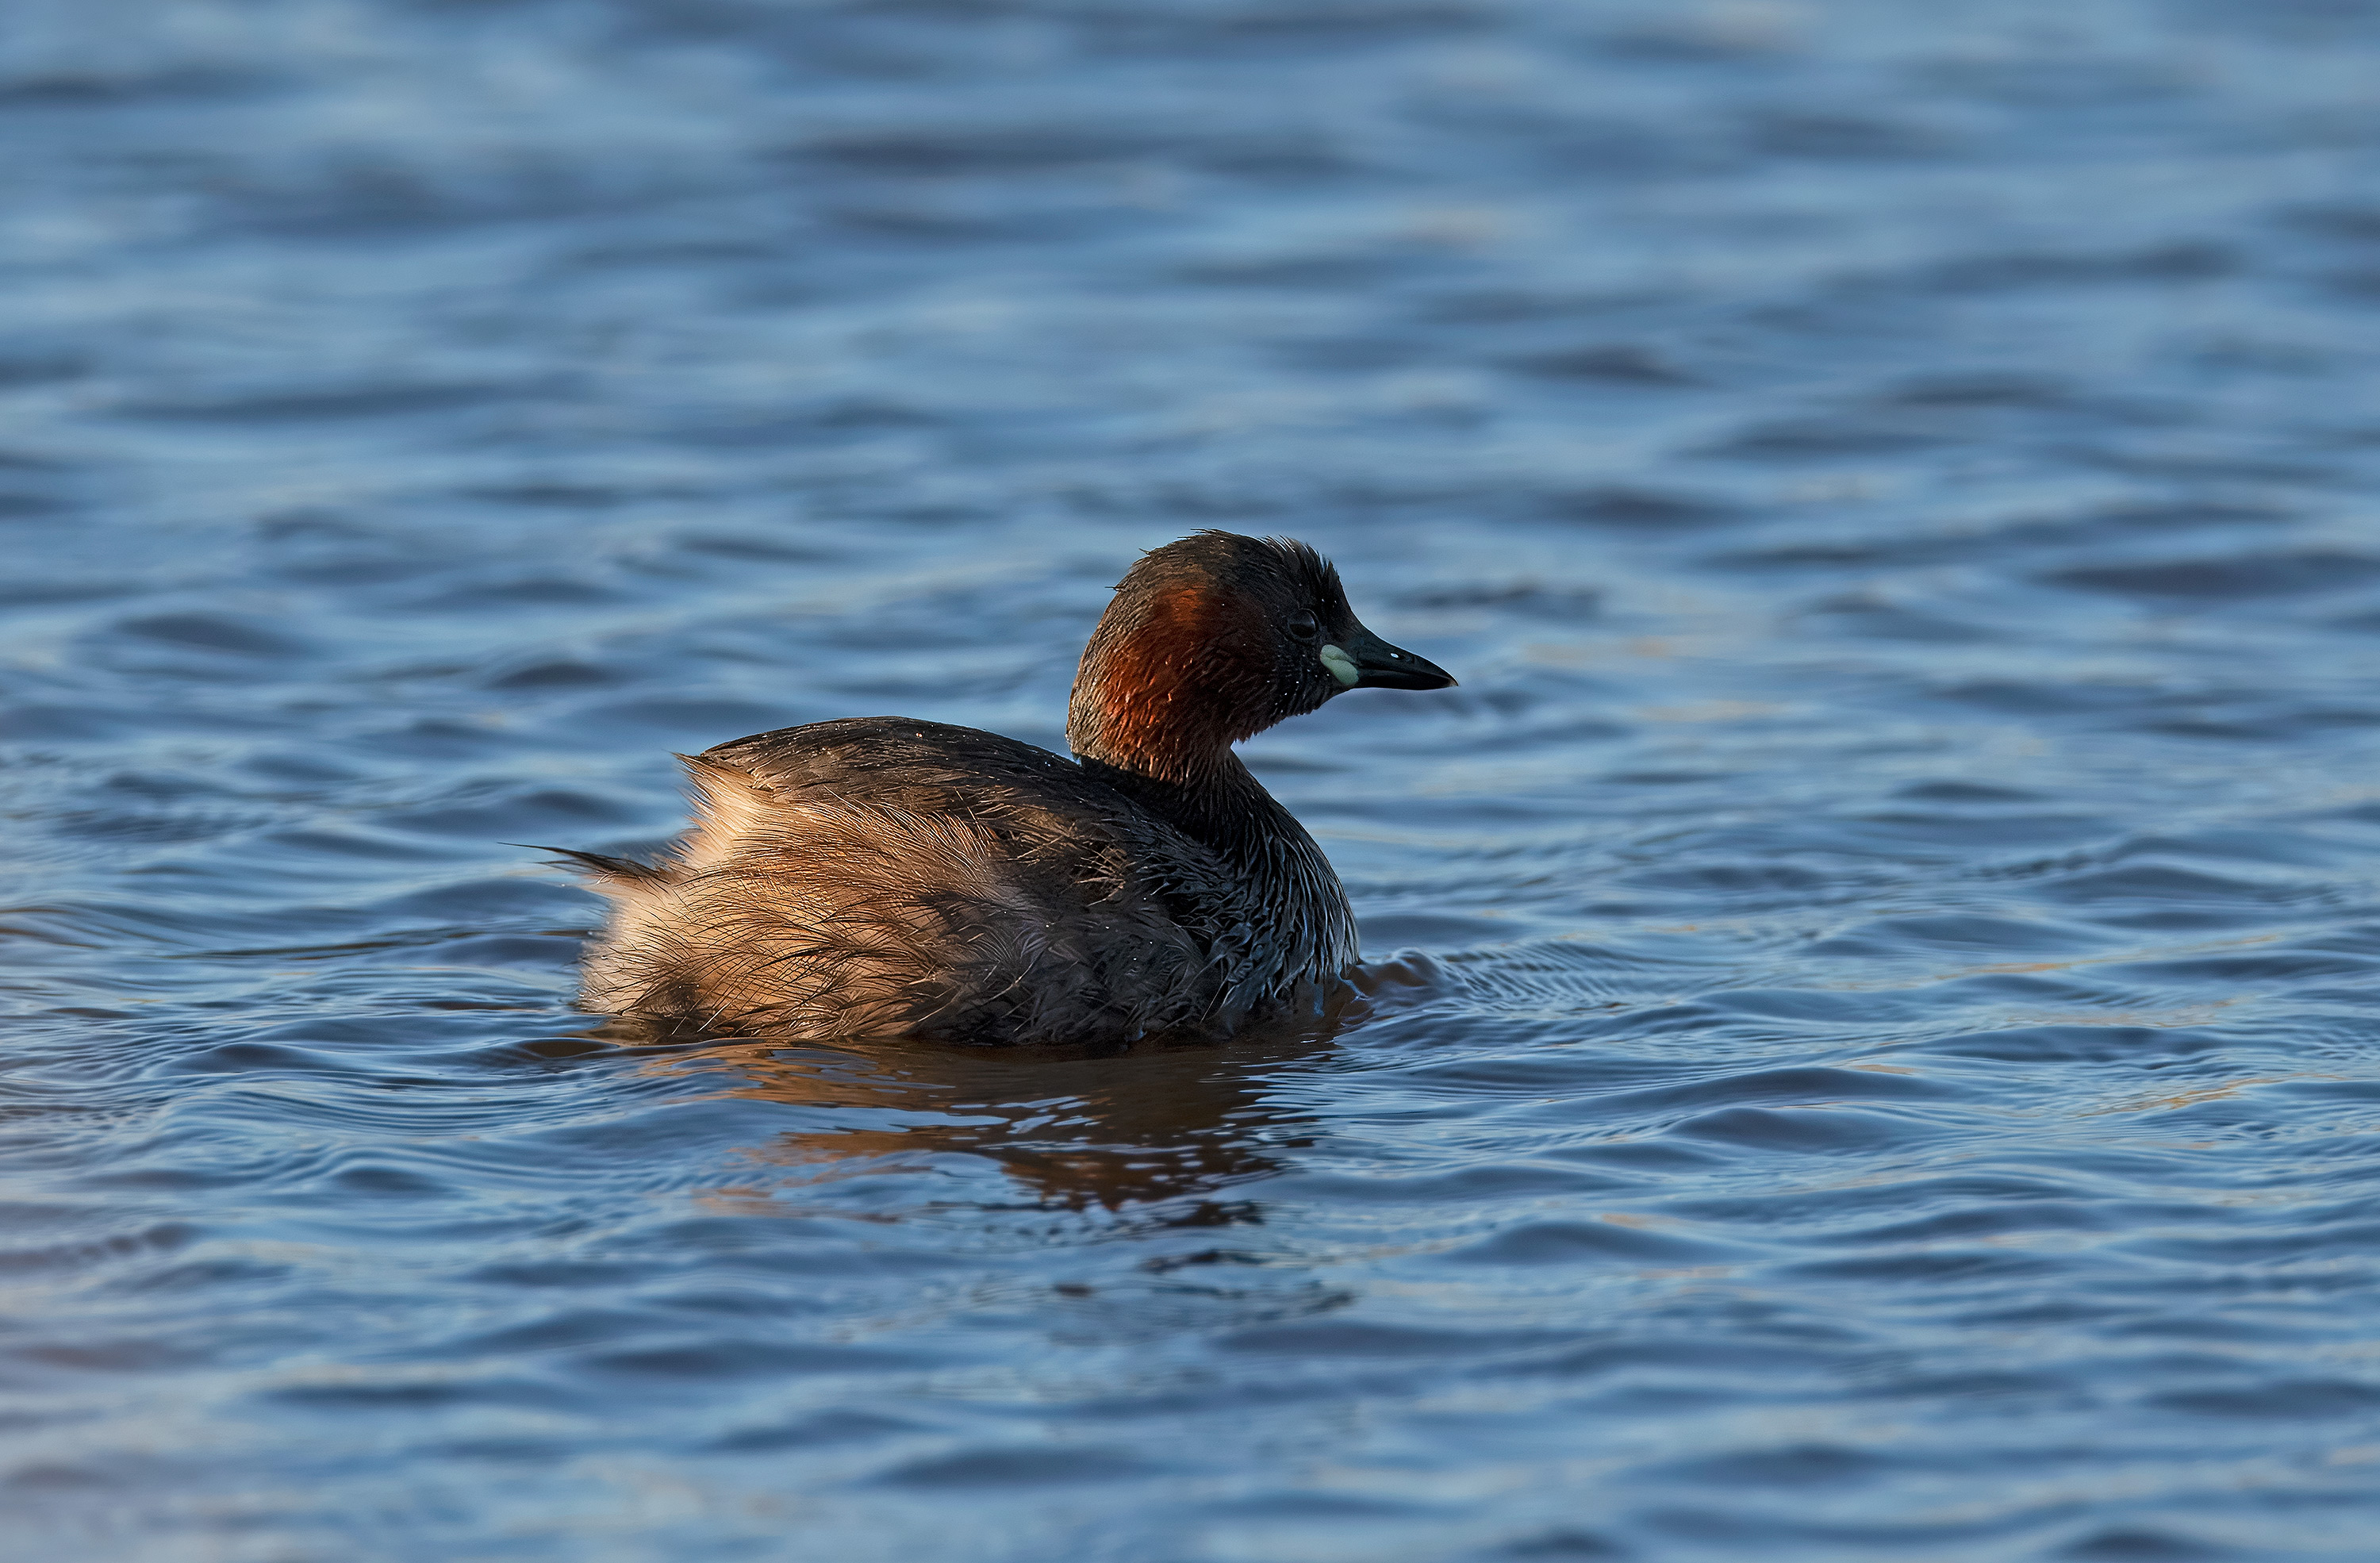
{"x": 1076, "y": 1128}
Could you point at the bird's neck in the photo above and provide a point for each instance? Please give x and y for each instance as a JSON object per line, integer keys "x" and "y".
{"x": 1215, "y": 801}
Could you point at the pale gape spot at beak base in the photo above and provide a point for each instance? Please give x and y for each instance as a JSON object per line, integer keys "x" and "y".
{"x": 1342, "y": 666}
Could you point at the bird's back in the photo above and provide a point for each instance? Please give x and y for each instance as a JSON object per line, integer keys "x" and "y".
{"x": 883, "y": 876}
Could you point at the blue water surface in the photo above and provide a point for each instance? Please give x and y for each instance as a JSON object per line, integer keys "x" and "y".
{"x": 1892, "y": 1068}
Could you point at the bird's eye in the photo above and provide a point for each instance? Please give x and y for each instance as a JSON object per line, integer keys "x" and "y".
{"x": 1304, "y": 625}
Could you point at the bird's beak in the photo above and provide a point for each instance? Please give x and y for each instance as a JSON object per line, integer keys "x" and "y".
{"x": 1378, "y": 665}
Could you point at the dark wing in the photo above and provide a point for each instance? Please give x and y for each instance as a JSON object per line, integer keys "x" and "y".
{"x": 877, "y": 757}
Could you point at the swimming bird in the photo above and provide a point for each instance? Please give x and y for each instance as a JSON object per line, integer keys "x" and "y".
{"x": 884, "y": 877}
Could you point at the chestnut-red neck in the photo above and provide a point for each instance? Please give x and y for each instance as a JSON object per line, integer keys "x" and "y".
{"x": 1168, "y": 683}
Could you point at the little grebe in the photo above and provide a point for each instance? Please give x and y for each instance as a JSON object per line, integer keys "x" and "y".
{"x": 883, "y": 876}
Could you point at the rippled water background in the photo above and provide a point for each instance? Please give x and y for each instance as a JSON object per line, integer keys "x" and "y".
{"x": 1897, "y": 482}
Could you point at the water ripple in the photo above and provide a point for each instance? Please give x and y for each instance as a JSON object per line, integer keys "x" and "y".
{"x": 1869, "y": 1048}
